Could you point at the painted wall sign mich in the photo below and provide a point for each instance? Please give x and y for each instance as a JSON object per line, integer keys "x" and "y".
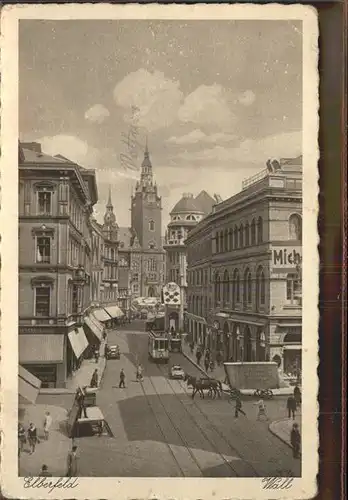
{"x": 286, "y": 257}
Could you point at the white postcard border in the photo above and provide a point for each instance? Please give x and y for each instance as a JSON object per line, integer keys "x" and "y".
{"x": 162, "y": 488}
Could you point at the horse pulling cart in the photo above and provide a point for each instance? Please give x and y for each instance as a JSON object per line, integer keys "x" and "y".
{"x": 214, "y": 387}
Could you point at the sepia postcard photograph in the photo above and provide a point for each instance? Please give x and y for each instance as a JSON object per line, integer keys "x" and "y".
{"x": 159, "y": 281}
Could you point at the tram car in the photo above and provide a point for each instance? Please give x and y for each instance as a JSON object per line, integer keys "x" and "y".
{"x": 158, "y": 347}
{"x": 175, "y": 344}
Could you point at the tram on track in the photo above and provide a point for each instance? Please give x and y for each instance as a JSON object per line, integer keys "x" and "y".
{"x": 158, "y": 347}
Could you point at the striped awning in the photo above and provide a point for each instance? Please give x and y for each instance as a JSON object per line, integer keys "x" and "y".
{"x": 28, "y": 385}
{"x": 41, "y": 348}
{"x": 114, "y": 311}
{"x": 78, "y": 341}
{"x": 101, "y": 315}
{"x": 94, "y": 327}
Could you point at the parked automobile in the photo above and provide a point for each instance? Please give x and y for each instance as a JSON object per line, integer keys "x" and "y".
{"x": 176, "y": 372}
{"x": 113, "y": 352}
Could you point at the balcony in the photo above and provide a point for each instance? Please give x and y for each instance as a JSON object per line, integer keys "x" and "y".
{"x": 174, "y": 242}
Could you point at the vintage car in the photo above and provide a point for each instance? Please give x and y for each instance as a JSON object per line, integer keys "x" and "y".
{"x": 113, "y": 352}
{"x": 176, "y": 372}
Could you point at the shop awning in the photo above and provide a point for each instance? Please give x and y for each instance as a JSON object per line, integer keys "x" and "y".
{"x": 94, "y": 328}
{"x": 101, "y": 315}
{"x": 28, "y": 385}
{"x": 78, "y": 341}
{"x": 114, "y": 311}
{"x": 294, "y": 347}
{"x": 41, "y": 348}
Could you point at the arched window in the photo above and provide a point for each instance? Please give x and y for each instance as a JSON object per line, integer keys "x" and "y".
{"x": 217, "y": 242}
{"x": 221, "y": 241}
{"x": 217, "y": 291}
{"x": 235, "y": 232}
{"x": 226, "y": 287}
{"x": 230, "y": 237}
{"x": 247, "y": 289}
{"x": 151, "y": 225}
{"x": 241, "y": 236}
{"x": 253, "y": 232}
{"x": 295, "y": 227}
{"x": 235, "y": 287}
{"x": 259, "y": 230}
{"x": 260, "y": 287}
{"x": 247, "y": 235}
{"x": 226, "y": 240}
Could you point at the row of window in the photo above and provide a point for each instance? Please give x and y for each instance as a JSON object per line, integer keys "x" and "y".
{"x": 189, "y": 217}
{"x": 227, "y": 290}
{"x": 239, "y": 237}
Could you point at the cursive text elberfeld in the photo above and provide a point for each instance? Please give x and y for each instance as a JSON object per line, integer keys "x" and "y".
{"x": 51, "y": 484}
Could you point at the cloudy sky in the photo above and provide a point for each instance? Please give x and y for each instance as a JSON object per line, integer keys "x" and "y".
{"x": 215, "y": 98}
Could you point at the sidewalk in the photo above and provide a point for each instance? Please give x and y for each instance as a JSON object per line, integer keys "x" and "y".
{"x": 219, "y": 374}
{"x": 53, "y": 452}
{"x": 83, "y": 376}
{"x": 282, "y": 428}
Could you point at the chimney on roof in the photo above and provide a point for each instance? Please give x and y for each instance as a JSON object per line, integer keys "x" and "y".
{"x": 33, "y": 146}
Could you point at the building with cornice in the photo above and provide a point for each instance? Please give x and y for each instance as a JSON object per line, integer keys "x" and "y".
{"x": 244, "y": 270}
{"x": 56, "y": 198}
{"x": 141, "y": 253}
{"x": 185, "y": 215}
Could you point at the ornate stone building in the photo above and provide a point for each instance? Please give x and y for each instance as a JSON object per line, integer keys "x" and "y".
{"x": 244, "y": 270}
{"x": 185, "y": 215}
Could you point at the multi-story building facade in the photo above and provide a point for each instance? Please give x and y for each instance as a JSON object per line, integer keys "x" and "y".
{"x": 183, "y": 217}
{"x": 146, "y": 234}
{"x": 56, "y": 197}
{"x": 110, "y": 271}
{"x": 244, "y": 270}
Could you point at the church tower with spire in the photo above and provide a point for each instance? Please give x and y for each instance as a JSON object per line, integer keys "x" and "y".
{"x": 110, "y": 227}
{"x": 146, "y": 217}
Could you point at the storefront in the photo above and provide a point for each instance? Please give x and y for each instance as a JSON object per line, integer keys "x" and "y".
{"x": 94, "y": 332}
{"x": 79, "y": 343}
{"x": 115, "y": 314}
{"x": 43, "y": 356}
{"x": 102, "y": 317}
{"x": 28, "y": 386}
{"x": 286, "y": 346}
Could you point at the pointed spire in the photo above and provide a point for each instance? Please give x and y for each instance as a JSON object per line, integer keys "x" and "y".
{"x": 146, "y": 145}
{"x": 109, "y": 199}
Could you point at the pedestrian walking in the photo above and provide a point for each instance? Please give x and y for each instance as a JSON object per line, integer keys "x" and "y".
{"x": 45, "y": 472}
{"x": 206, "y": 364}
{"x": 140, "y": 377}
{"x": 96, "y": 355}
{"x": 297, "y": 396}
{"x": 291, "y": 406}
{"x": 122, "y": 379}
{"x": 238, "y": 408}
{"x": 261, "y": 410}
{"x": 72, "y": 462}
{"x": 106, "y": 348}
{"x": 47, "y": 425}
{"x": 212, "y": 365}
{"x": 198, "y": 357}
{"x": 21, "y": 439}
{"x": 192, "y": 347}
{"x": 94, "y": 379}
{"x": 295, "y": 440}
{"x": 32, "y": 437}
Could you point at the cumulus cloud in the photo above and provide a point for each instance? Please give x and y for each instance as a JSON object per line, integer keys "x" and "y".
{"x": 251, "y": 150}
{"x": 198, "y": 136}
{"x": 247, "y": 98}
{"x": 97, "y": 113}
{"x": 155, "y": 98}
{"x": 207, "y": 105}
{"x": 72, "y": 148}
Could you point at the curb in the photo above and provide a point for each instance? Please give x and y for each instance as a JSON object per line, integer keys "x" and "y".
{"x": 272, "y": 431}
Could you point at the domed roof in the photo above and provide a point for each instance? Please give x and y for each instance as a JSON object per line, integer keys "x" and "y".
{"x": 186, "y": 204}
